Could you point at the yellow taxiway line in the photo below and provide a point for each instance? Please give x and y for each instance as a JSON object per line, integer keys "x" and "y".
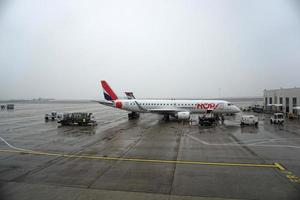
{"x": 275, "y": 165}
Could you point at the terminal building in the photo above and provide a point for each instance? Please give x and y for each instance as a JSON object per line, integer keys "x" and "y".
{"x": 283, "y": 100}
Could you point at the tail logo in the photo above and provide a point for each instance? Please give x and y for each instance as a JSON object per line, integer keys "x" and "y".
{"x": 207, "y": 106}
{"x": 108, "y": 92}
{"x": 118, "y": 104}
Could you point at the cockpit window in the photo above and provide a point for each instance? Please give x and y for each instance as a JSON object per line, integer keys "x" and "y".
{"x": 230, "y": 104}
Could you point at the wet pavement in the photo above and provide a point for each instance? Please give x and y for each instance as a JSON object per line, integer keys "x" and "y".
{"x": 146, "y": 158}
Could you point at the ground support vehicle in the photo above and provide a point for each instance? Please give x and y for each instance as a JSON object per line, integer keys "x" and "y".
{"x": 277, "y": 118}
{"x": 51, "y": 116}
{"x": 80, "y": 119}
{"x": 249, "y": 120}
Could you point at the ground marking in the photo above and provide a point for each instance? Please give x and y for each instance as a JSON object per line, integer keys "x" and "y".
{"x": 255, "y": 144}
{"x": 289, "y": 175}
{"x": 143, "y": 160}
{"x": 293, "y": 178}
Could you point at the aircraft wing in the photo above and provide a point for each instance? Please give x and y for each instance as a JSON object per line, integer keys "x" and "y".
{"x": 164, "y": 111}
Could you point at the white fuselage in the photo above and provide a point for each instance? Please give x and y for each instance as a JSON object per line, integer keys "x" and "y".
{"x": 165, "y": 106}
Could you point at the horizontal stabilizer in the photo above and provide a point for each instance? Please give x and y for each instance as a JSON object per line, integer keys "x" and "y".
{"x": 106, "y": 103}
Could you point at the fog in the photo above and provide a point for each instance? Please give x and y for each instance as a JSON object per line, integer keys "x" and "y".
{"x": 158, "y": 49}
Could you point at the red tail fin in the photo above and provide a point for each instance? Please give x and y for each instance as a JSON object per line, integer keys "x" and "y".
{"x": 108, "y": 92}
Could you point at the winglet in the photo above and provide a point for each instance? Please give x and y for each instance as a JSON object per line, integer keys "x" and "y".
{"x": 109, "y": 94}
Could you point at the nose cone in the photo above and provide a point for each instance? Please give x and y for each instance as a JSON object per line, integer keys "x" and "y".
{"x": 236, "y": 109}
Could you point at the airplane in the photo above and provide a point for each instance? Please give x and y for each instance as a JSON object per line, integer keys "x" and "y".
{"x": 180, "y": 109}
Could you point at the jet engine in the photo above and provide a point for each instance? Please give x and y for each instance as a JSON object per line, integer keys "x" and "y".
{"x": 183, "y": 115}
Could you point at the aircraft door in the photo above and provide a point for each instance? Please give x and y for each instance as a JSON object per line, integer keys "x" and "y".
{"x": 126, "y": 105}
{"x": 220, "y": 106}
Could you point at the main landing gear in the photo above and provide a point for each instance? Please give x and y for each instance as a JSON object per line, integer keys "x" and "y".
{"x": 166, "y": 117}
{"x": 133, "y": 115}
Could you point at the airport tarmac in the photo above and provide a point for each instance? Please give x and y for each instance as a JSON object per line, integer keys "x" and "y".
{"x": 146, "y": 158}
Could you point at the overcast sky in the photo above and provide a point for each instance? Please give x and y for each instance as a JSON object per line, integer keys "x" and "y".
{"x": 62, "y": 49}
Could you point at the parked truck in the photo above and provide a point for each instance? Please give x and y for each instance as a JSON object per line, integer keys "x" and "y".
{"x": 80, "y": 119}
{"x": 249, "y": 120}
